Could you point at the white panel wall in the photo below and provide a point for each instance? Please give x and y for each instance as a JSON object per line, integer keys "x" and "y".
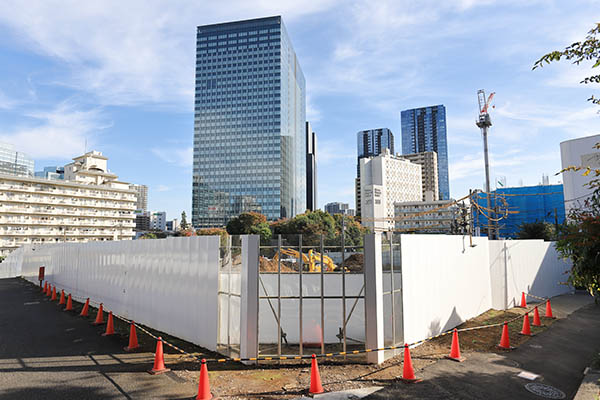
{"x": 290, "y": 315}
{"x": 530, "y": 266}
{"x": 170, "y": 285}
{"x": 445, "y": 282}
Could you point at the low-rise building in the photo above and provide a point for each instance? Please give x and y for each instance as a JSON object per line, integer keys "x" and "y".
{"x": 337, "y": 208}
{"x": 440, "y": 216}
{"x": 158, "y": 221}
{"x": 89, "y": 205}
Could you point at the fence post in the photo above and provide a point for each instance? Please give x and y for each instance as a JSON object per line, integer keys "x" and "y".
{"x": 249, "y": 297}
{"x": 373, "y": 298}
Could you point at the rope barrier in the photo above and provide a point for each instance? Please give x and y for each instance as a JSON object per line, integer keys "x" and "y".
{"x": 309, "y": 356}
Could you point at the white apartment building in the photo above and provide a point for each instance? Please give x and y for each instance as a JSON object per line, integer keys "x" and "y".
{"x": 578, "y": 152}
{"x": 384, "y": 180}
{"x": 426, "y": 216}
{"x": 142, "y": 196}
{"x": 158, "y": 221}
{"x": 429, "y": 173}
{"x": 89, "y": 205}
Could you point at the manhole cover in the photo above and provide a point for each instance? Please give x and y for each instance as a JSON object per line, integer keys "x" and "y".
{"x": 546, "y": 391}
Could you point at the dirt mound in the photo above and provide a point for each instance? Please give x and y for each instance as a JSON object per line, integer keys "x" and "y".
{"x": 267, "y": 265}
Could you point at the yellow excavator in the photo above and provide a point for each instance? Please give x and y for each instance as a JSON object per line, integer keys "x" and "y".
{"x": 312, "y": 259}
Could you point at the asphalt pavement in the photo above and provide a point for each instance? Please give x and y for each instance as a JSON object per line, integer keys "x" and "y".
{"x": 558, "y": 357}
{"x": 46, "y": 353}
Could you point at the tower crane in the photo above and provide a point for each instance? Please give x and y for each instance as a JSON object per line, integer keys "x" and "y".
{"x": 484, "y": 123}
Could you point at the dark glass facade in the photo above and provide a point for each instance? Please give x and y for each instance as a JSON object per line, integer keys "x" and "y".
{"x": 249, "y": 123}
{"x": 370, "y": 143}
{"x": 424, "y": 129}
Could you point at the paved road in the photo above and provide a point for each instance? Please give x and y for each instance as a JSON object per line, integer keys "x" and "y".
{"x": 559, "y": 355}
{"x": 46, "y": 353}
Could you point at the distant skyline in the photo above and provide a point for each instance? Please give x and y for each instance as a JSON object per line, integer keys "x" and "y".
{"x": 119, "y": 79}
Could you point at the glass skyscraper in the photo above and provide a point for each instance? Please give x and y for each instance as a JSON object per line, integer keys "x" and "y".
{"x": 13, "y": 162}
{"x": 249, "y": 123}
{"x": 424, "y": 129}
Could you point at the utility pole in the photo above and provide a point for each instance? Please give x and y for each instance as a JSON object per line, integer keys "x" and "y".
{"x": 484, "y": 122}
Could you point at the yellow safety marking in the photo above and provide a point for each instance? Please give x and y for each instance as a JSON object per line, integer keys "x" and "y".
{"x": 268, "y": 358}
{"x": 283, "y": 358}
{"x": 237, "y": 359}
{"x": 222, "y": 360}
{"x": 252, "y": 359}
{"x": 355, "y": 351}
{"x": 298, "y": 358}
{"x": 328, "y": 354}
{"x": 368, "y": 350}
{"x": 342, "y": 353}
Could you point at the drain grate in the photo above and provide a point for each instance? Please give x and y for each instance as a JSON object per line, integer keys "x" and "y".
{"x": 546, "y": 391}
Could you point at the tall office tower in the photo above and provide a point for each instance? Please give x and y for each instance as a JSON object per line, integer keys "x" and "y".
{"x": 249, "y": 123}
{"x": 13, "y": 162}
{"x": 424, "y": 129}
{"x": 142, "y": 196}
{"x": 370, "y": 143}
{"x": 429, "y": 173}
{"x": 311, "y": 168}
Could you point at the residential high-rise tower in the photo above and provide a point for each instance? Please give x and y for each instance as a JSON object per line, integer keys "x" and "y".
{"x": 424, "y": 129}
{"x": 249, "y": 123}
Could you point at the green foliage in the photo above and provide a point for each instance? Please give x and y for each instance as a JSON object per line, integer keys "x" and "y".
{"x": 355, "y": 232}
{"x": 536, "y": 230}
{"x": 250, "y": 223}
{"x": 213, "y": 232}
{"x": 311, "y": 225}
{"x": 149, "y": 235}
{"x": 2, "y": 258}
{"x": 587, "y": 50}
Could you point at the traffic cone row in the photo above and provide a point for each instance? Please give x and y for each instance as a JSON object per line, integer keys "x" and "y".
{"x": 62, "y": 298}
{"x": 69, "y": 306}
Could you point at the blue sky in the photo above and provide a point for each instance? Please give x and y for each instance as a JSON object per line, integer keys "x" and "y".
{"x": 119, "y": 76}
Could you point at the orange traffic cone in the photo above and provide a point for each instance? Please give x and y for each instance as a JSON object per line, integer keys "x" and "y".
{"x": 69, "y": 306}
{"x": 408, "y": 373}
{"x": 99, "y": 316}
{"x": 315, "y": 378}
{"x": 86, "y": 307}
{"x": 523, "y": 301}
{"x": 53, "y": 294}
{"x": 455, "y": 349}
{"x": 62, "y": 297}
{"x": 203, "y": 384}
{"x": 526, "y": 327}
{"x": 133, "y": 342}
{"x": 505, "y": 340}
{"x": 49, "y": 291}
{"x": 45, "y": 290}
{"x": 536, "y": 317}
{"x": 159, "y": 361}
{"x": 110, "y": 326}
{"x": 549, "y": 310}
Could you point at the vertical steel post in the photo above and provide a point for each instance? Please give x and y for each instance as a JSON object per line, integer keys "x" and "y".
{"x": 229, "y": 295}
{"x": 301, "y": 262}
{"x": 374, "y": 336}
{"x": 344, "y": 283}
{"x": 279, "y": 295}
{"x": 321, "y": 249}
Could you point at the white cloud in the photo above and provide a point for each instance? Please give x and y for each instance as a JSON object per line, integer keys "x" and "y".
{"x": 178, "y": 156}
{"x": 136, "y": 52}
{"x": 57, "y": 133}
{"x": 5, "y": 102}
{"x": 163, "y": 188}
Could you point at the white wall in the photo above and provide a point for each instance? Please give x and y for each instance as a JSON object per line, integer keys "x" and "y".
{"x": 290, "y": 315}
{"x": 444, "y": 281}
{"x": 169, "y": 284}
{"x": 577, "y": 152}
{"x": 530, "y": 266}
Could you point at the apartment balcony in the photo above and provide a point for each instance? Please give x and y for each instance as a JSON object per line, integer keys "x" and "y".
{"x": 66, "y": 192}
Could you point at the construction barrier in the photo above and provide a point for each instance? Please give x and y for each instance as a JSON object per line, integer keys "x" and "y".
{"x": 316, "y": 387}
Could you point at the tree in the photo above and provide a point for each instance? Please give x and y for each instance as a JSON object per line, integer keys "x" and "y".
{"x": 579, "y": 237}
{"x": 250, "y": 223}
{"x": 213, "y": 232}
{"x": 184, "y": 224}
{"x": 578, "y": 52}
{"x": 536, "y": 230}
{"x": 148, "y": 235}
{"x": 311, "y": 225}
